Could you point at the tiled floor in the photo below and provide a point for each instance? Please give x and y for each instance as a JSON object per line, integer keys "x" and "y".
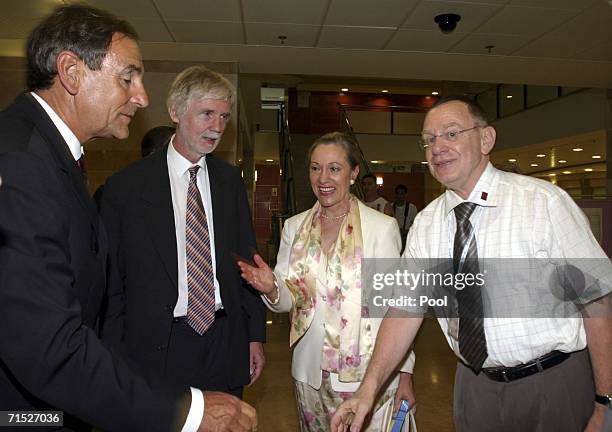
{"x": 273, "y": 398}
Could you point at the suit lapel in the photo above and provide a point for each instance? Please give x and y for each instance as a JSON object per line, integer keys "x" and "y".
{"x": 160, "y": 215}
{"x": 61, "y": 155}
{"x": 221, "y": 209}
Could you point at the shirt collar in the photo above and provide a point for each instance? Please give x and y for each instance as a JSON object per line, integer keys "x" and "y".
{"x": 178, "y": 163}
{"x": 484, "y": 193}
{"x": 71, "y": 140}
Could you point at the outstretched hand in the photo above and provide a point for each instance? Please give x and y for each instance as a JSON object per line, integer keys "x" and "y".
{"x": 259, "y": 275}
{"x": 351, "y": 414}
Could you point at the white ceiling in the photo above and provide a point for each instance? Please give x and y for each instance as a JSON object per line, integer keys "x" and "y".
{"x": 560, "y": 42}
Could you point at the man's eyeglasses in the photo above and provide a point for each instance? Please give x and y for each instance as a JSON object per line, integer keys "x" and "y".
{"x": 451, "y": 135}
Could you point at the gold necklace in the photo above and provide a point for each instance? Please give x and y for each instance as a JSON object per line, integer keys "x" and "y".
{"x": 333, "y": 217}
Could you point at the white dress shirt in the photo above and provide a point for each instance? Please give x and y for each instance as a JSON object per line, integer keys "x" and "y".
{"x": 517, "y": 217}
{"x": 178, "y": 170}
{"x": 71, "y": 139}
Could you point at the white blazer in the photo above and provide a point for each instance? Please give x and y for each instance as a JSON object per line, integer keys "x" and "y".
{"x": 381, "y": 239}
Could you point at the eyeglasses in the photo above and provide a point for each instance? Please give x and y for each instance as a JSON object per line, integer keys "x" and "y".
{"x": 451, "y": 135}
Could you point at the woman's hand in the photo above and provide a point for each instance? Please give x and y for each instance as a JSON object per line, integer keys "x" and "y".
{"x": 259, "y": 276}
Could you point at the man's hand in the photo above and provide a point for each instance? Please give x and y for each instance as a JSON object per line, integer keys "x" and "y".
{"x": 350, "y": 414}
{"x": 405, "y": 390}
{"x": 257, "y": 360}
{"x": 226, "y": 413}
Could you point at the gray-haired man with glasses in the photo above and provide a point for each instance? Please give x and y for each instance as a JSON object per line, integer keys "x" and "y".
{"x": 527, "y": 372}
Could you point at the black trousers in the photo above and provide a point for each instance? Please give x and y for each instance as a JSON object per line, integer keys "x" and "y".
{"x": 200, "y": 361}
{"x": 559, "y": 399}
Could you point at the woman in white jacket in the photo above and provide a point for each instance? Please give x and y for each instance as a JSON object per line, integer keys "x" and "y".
{"x": 318, "y": 279}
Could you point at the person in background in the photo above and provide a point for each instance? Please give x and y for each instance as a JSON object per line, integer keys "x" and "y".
{"x": 152, "y": 141}
{"x": 156, "y": 139}
{"x": 371, "y": 197}
{"x": 403, "y": 211}
{"x": 529, "y": 371}
{"x": 85, "y": 81}
{"x": 317, "y": 279}
{"x": 176, "y": 219}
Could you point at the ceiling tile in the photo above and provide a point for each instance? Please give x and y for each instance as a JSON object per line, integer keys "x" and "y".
{"x": 127, "y": 9}
{"x": 602, "y": 52}
{"x": 576, "y": 5}
{"x": 489, "y": 2}
{"x": 267, "y": 34}
{"x": 472, "y": 15}
{"x": 151, "y": 30}
{"x": 380, "y": 13}
{"x": 502, "y": 44}
{"x": 514, "y": 20}
{"x": 424, "y": 40}
{"x": 354, "y": 37}
{"x": 204, "y": 10}
{"x": 587, "y": 30}
{"x": 285, "y": 11}
{"x": 207, "y": 32}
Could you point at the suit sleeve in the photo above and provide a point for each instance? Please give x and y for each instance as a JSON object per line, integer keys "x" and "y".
{"x": 256, "y": 308}
{"x": 43, "y": 342}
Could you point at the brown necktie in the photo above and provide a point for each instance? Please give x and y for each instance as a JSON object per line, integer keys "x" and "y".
{"x": 200, "y": 277}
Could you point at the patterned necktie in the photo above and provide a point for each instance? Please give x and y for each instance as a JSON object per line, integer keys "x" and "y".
{"x": 472, "y": 341}
{"x": 200, "y": 277}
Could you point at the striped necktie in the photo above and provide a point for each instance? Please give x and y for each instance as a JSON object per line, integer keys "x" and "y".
{"x": 200, "y": 277}
{"x": 472, "y": 340}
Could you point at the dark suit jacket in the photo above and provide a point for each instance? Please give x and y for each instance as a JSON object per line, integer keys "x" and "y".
{"x": 53, "y": 254}
{"x": 137, "y": 211}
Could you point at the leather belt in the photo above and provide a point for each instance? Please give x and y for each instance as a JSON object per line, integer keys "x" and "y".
{"x": 507, "y": 374}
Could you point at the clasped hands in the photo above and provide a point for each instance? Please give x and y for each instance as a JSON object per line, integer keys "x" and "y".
{"x": 226, "y": 413}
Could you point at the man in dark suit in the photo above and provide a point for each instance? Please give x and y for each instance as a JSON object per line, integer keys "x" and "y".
{"x": 85, "y": 81}
{"x": 172, "y": 271}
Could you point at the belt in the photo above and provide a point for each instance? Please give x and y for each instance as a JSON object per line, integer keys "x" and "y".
{"x": 219, "y": 313}
{"x": 507, "y": 374}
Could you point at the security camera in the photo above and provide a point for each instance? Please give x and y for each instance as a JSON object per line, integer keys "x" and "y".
{"x": 447, "y": 22}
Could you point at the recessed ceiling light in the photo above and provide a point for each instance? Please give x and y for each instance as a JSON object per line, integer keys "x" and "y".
{"x": 508, "y": 96}
{"x": 344, "y": 89}
{"x": 595, "y": 157}
{"x": 577, "y": 149}
{"x": 552, "y": 174}
{"x": 562, "y": 161}
{"x": 588, "y": 169}
{"x": 567, "y": 172}
{"x": 534, "y": 165}
{"x": 269, "y": 160}
{"x": 511, "y": 160}
{"x": 541, "y": 155}
{"x": 374, "y": 161}
{"x": 435, "y": 93}
{"x": 424, "y": 163}
{"x": 385, "y": 91}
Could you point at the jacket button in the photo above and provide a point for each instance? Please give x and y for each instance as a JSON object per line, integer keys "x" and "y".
{"x": 160, "y": 347}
